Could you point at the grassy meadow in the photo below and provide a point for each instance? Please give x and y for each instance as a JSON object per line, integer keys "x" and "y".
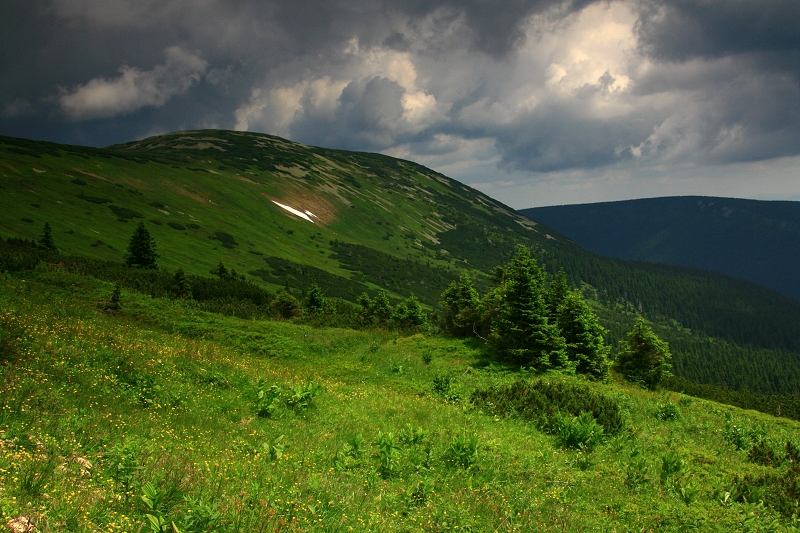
{"x": 162, "y": 417}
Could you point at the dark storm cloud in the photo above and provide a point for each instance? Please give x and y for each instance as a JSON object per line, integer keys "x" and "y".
{"x": 705, "y": 81}
{"x": 677, "y": 30}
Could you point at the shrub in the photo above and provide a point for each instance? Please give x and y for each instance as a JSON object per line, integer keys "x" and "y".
{"x": 541, "y": 401}
{"x": 462, "y": 451}
{"x": 578, "y": 432}
{"x": 667, "y": 411}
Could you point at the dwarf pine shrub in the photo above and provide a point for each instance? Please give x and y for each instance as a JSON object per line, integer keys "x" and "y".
{"x": 542, "y": 401}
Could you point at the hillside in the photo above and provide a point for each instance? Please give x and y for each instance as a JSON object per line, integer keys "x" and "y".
{"x": 161, "y": 417}
{"x": 749, "y": 239}
{"x": 288, "y": 215}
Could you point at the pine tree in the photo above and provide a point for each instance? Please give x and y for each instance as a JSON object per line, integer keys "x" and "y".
{"x": 584, "y": 336}
{"x": 408, "y": 314}
{"x": 644, "y": 358}
{"x": 315, "y": 300}
{"x": 461, "y": 305}
{"x": 521, "y": 332}
{"x": 559, "y": 289}
{"x": 180, "y": 285}
{"x": 46, "y": 241}
{"x": 141, "y": 249}
{"x": 375, "y": 311}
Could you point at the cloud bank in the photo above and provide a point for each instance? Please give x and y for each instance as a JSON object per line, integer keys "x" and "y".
{"x": 535, "y": 88}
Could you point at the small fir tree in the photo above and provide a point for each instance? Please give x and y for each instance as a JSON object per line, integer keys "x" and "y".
{"x": 375, "y": 311}
{"x": 559, "y": 289}
{"x": 644, "y": 358}
{"x": 180, "y": 285}
{"x": 286, "y": 305}
{"x": 315, "y": 300}
{"x": 409, "y": 315}
{"x": 46, "y": 241}
{"x": 462, "y": 307}
{"x": 141, "y": 249}
{"x": 584, "y": 336}
{"x": 521, "y": 331}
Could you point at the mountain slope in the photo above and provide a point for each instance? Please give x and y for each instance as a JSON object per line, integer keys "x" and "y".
{"x": 288, "y": 215}
{"x": 749, "y": 239}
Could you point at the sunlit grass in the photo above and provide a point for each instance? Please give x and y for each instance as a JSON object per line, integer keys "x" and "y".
{"x": 94, "y": 406}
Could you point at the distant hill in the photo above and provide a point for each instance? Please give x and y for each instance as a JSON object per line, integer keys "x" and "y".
{"x": 287, "y": 215}
{"x": 750, "y": 239}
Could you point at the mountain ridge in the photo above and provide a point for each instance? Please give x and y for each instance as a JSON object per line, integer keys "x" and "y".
{"x": 756, "y": 240}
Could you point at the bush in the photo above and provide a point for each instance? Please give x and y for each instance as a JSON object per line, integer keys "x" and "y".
{"x": 578, "y": 432}
{"x": 541, "y": 402}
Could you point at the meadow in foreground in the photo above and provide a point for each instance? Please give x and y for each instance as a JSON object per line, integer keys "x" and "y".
{"x": 161, "y": 417}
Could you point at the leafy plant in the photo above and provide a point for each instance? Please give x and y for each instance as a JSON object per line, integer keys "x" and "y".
{"x": 579, "y": 432}
{"x": 388, "y": 454}
{"x": 671, "y": 467}
{"x": 462, "y": 451}
{"x": 275, "y": 447}
{"x": 667, "y": 411}
{"x": 200, "y": 516}
{"x": 637, "y": 472}
{"x": 267, "y": 399}
{"x": 302, "y": 396}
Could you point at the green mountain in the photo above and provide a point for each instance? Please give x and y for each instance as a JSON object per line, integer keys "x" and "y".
{"x": 161, "y": 400}
{"x": 750, "y": 239}
{"x": 288, "y": 215}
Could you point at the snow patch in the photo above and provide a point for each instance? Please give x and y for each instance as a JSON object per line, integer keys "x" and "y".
{"x": 305, "y": 215}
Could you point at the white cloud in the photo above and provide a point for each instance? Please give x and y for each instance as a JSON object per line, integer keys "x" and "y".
{"x": 134, "y": 88}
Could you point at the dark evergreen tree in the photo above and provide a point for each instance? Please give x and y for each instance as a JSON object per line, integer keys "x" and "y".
{"x": 46, "y": 242}
{"x": 559, "y": 289}
{"x": 141, "y": 249}
{"x": 584, "y": 336}
{"x": 521, "y": 332}
{"x": 644, "y": 358}
{"x": 180, "y": 285}
{"x": 375, "y": 311}
{"x": 221, "y": 271}
{"x": 315, "y": 300}
{"x": 114, "y": 303}
{"x": 409, "y": 315}
{"x": 286, "y": 305}
{"x": 461, "y": 305}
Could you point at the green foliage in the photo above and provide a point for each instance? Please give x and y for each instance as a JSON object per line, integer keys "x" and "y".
{"x": 542, "y": 402}
{"x": 46, "y": 241}
{"x": 267, "y": 399}
{"x": 376, "y": 311}
{"x": 667, "y": 411}
{"x": 462, "y": 451}
{"x": 181, "y": 288}
{"x": 387, "y": 454}
{"x": 286, "y": 305}
{"x": 579, "y": 432}
{"x": 141, "y": 249}
{"x": 637, "y": 472}
{"x": 522, "y": 333}
{"x": 461, "y": 307}
{"x": 644, "y": 358}
{"x": 582, "y": 332}
{"x": 315, "y": 300}
{"x": 409, "y": 316}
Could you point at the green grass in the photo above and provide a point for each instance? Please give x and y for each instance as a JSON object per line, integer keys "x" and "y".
{"x": 95, "y": 406}
{"x": 206, "y": 196}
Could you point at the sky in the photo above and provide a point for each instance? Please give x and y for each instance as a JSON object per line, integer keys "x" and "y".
{"x": 534, "y": 102}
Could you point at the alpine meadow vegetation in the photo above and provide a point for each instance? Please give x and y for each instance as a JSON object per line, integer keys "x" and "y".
{"x": 227, "y": 365}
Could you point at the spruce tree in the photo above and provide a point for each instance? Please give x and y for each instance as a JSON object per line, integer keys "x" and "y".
{"x": 46, "y": 241}
{"x": 521, "y": 331}
{"x": 315, "y": 300}
{"x": 644, "y": 358}
{"x": 141, "y": 249}
{"x": 584, "y": 336}
{"x": 461, "y": 305}
{"x": 180, "y": 285}
{"x": 409, "y": 315}
{"x": 559, "y": 289}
